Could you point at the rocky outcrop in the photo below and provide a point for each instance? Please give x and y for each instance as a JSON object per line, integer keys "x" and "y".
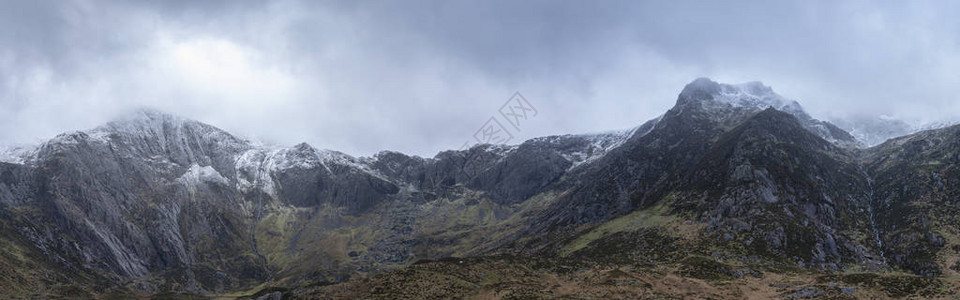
{"x": 780, "y": 190}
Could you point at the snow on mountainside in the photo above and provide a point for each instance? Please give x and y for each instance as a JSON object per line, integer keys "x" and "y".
{"x": 724, "y": 99}
{"x": 184, "y": 142}
{"x": 163, "y": 139}
{"x": 19, "y": 154}
{"x": 256, "y": 166}
{"x": 187, "y": 143}
{"x": 872, "y": 131}
{"x": 197, "y": 174}
{"x": 174, "y": 140}
{"x": 751, "y": 95}
{"x": 169, "y": 130}
{"x": 936, "y": 125}
{"x": 754, "y": 94}
{"x": 208, "y": 153}
{"x": 594, "y": 146}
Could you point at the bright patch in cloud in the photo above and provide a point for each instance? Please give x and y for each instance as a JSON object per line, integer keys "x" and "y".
{"x": 222, "y": 69}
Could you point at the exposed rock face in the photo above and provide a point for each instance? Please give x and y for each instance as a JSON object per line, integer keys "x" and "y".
{"x": 782, "y": 190}
{"x": 155, "y": 202}
{"x": 131, "y": 197}
{"x": 916, "y": 180}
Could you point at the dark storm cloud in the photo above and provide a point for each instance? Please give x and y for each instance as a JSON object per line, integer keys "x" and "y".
{"x": 422, "y": 76}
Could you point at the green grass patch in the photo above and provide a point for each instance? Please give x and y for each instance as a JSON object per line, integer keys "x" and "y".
{"x": 653, "y": 216}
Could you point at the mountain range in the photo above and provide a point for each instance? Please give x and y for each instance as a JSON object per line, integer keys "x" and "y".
{"x": 735, "y": 192}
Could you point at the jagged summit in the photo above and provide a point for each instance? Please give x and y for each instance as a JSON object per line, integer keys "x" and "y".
{"x": 155, "y": 122}
{"x": 159, "y": 132}
{"x": 752, "y": 94}
{"x": 700, "y": 88}
{"x": 728, "y": 101}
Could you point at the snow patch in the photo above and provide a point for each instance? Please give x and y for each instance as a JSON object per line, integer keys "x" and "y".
{"x": 197, "y": 174}
{"x": 19, "y": 154}
{"x": 600, "y": 145}
{"x": 936, "y": 125}
{"x": 251, "y": 171}
{"x": 362, "y": 164}
{"x": 603, "y": 143}
{"x": 754, "y": 95}
{"x": 100, "y": 134}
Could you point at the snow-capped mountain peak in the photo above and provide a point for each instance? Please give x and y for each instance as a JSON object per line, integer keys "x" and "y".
{"x": 754, "y": 95}
{"x": 723, "y": 101}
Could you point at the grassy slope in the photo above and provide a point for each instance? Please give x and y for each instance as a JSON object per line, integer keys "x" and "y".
{"x": 646, "y": 254}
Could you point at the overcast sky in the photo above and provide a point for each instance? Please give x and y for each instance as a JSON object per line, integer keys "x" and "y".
{"x": 423, "y": 76}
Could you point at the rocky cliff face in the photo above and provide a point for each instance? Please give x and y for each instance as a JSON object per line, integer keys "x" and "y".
{"x": 154, "y": 202}
{"x": 914, "y": 179}
{"x": 779, "y": 190}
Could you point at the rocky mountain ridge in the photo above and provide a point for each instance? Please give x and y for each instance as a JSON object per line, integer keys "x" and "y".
{"x": 153, "y": 202}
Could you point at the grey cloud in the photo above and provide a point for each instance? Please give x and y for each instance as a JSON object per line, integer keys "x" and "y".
{"x": 420, "y": 77}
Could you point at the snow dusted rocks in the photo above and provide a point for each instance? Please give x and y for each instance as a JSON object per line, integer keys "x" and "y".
{"x": 20, "y": 154}
{"x": 725, "y": 101}
{"x": 751, "y": 95}
{"x": 197, "y": 175}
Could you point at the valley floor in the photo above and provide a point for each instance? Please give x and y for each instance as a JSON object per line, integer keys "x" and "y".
{"x": 694, "y": 278}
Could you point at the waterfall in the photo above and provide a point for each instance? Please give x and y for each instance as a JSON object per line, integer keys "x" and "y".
{"x": 257, "y": 215}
